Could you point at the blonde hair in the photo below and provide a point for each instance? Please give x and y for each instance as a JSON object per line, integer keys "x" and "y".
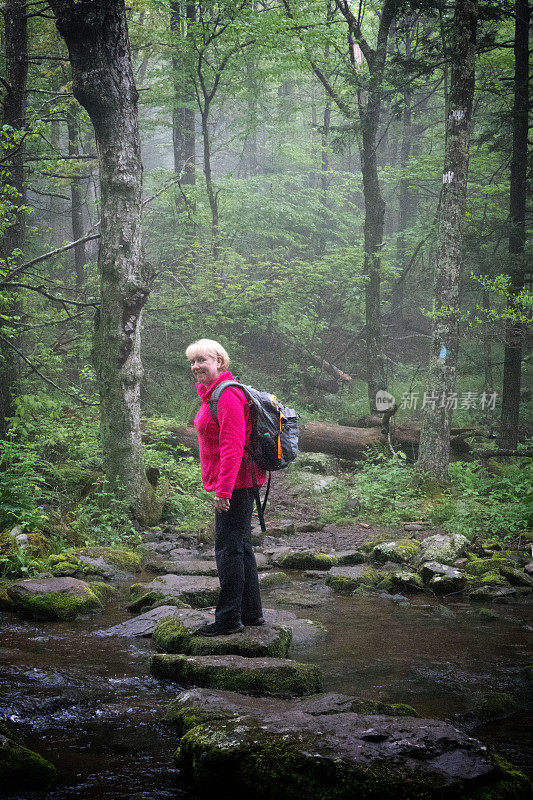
{"x": 210, "y": 347}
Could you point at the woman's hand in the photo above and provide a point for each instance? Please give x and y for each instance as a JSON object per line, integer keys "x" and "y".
{"x": 221, "y": 504}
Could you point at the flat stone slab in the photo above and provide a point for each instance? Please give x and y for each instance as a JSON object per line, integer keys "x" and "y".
{"x": 272, "y": 748}
{"x": 305, "y": 632}
{"x": 53, "y": 598}
{"x": 195, "y": 590}
{"x": 303, "y": 595}
{"x": 175, "y": 635}
{"x": 144, "y": 624}
{"x": 190, "y": 566}
{"x": 278, "y": 677}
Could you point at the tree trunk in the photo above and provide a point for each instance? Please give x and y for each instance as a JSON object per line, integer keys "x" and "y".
{"x": 211, "y": 193}
{"x": 514, "y": 333}
{"x": 183, "y": 123}
{"x": 76, "y": 193}
{"x": 14, "y": 112}
{"x": 434, "y": 453}
{"x": 96, "y": 35}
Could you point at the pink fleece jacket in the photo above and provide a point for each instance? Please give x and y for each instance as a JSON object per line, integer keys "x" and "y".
{"x": 224, "y": 465}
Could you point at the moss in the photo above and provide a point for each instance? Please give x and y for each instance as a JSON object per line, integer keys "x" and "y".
{"x": 68, "y": 556}
{"x": 22, "y": 769}
{"x": 290, "y": 680}
{"x": 400, "y": 550}
{"x": 6, "y": 603}
{"x": 307, "y": 560}
{"x": 57, "y": 605}
{"x": 274, "y": 579}
{"x": 149, "y": 600}
{"x": 509, "y": 783}
{"x": 123, "y": 559}
{"x": 171, "y": 636}
{"x": 102, "y": 590}
{"x": 406, "y": 581}
{"x": 492, "y": 705}
{"x": 38, "y": 545}
{"x": 479, "y": 566}
{"x": 387, "y": 709}
{"x": 369, "y": 578}
{"x": 184, "y": 718}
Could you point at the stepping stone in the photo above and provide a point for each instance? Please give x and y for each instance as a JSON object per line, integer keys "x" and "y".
{"x": 278, "y": 677}
{"x": 173, "y": 635}
{"x": 144, "y": 624}
{"x": 308, "y": 597}
{"x": 305, "y": 559}
{"x": 53, "y": 598}
{"x": 193, "y": 590}
{"x": 191, "y": 566}
{"x": 268, "y": 579}
{"x": 279, "y": 746}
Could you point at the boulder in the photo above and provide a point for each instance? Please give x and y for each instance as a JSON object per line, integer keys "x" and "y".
{"x": 445, "y": 548}
{"x": 306, "y": 559}
{"x": 453, "y": 581}
{"x": 404, "y": 581}
{"x": 278, "y": 677}
{"x": 348, "y": 558}
{"x": 21, "y": 769}
{"x": 53, "y": 598}
{"x": 399, "y": 551}
{"x": 305, "y": 632}
{"x": 516, "y": 577}
{"x": 192, "y": 590}
{"x": 346, "y": 579}
{"x": 430, "y": 569}
{"x": 317, "y": 749}
{"x": 496, "y": 594}
{"x": 268, "y": 579}
{"x": 125, "y": 560}
{"x": 173, "y": 635}
{"x": 480, "y": 566}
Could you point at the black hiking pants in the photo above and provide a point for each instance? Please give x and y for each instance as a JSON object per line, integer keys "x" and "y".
{"x": 237, "y": 570}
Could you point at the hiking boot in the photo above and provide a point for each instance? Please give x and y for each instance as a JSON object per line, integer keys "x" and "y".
{"x": 255, "y": 623}
{"x": 220, "y": 629}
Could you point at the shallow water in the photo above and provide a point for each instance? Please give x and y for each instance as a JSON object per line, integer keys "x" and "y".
{"x": 89, "y": 705}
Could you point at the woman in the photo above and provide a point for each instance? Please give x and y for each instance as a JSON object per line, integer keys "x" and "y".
{"x": 226, "y": 471}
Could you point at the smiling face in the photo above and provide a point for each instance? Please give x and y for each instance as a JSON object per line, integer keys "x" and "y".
{"x": 205, "y": 367}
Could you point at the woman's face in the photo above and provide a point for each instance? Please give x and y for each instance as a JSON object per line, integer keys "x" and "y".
{"x": 205, "y": 368}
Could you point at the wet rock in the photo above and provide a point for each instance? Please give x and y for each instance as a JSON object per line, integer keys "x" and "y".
{"x": 264, "y": 749}
{"x": 194, "y": 590}
{"x": 452, "y": 581}
{"x": 278, "y": 677}
{"x": 495, "y": 594}
{"x": 197, "y": 566}
{"x": 516, "y": 577}
{"x": 144, "y": 624}
{"x": 53, "y": 598}
{"x": 445, "y": 548}
{"x": 399, "y": 551}
{"x": 22, "y": 769}
{"x": 489, "y": 706}
{"x": 172, "y": 635}
{"x": 305, "y": 632}
{"x": 268, "y": 579}
{"x": 311, "y": 596}
{"x": 306, "y": 559}
{"x": 349, "y": 558}
{"x": 345, "y": 579}
{"x": 406, "y": 581}
{"x": 432, "y": 569}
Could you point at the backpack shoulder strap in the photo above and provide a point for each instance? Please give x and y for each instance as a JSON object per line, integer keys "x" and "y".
{"x": 215, "y": 397}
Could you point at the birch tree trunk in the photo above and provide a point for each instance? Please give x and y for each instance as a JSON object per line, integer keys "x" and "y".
{"x": 96, "y": 35}
{"x": 514, "y": 333}
{"x": 434, "y": 452}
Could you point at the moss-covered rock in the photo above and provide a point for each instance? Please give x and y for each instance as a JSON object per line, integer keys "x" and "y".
{"x": 171, "y": 635}
{"x": 345, "y": 580}
{"x": 53, "y": 598}
{"x": 269, "y": 579}
{"x": 406, "y": 582}
{"x": 349, "y": 558}
{"x": 445, "y": 548}
{"x": 126, "y": 560}
{"x": 103, "y": 591}
{"x": 516, "y": 577}
{"x": 480, "y": 566}
{"x": 307, "y": 560}
{"x": 448, "y": 583}
{"x": 400, "y": 550}
{"x": 6, "y": 603}
{"x": 278, "y": 677}
{"x": 22, "y": 769}
{"x": 488, "y": 706}
{"x": 198, "y": 591}
{"x": 495, "y": 594}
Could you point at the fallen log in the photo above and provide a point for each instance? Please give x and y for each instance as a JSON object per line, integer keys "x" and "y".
{"x": 317, "y": 437}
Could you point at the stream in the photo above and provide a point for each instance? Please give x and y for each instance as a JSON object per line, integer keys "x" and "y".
{"x": 89, "y": 705}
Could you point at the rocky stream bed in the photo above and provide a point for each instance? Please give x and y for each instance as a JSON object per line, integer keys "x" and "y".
{"x": 389, "y": 667}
